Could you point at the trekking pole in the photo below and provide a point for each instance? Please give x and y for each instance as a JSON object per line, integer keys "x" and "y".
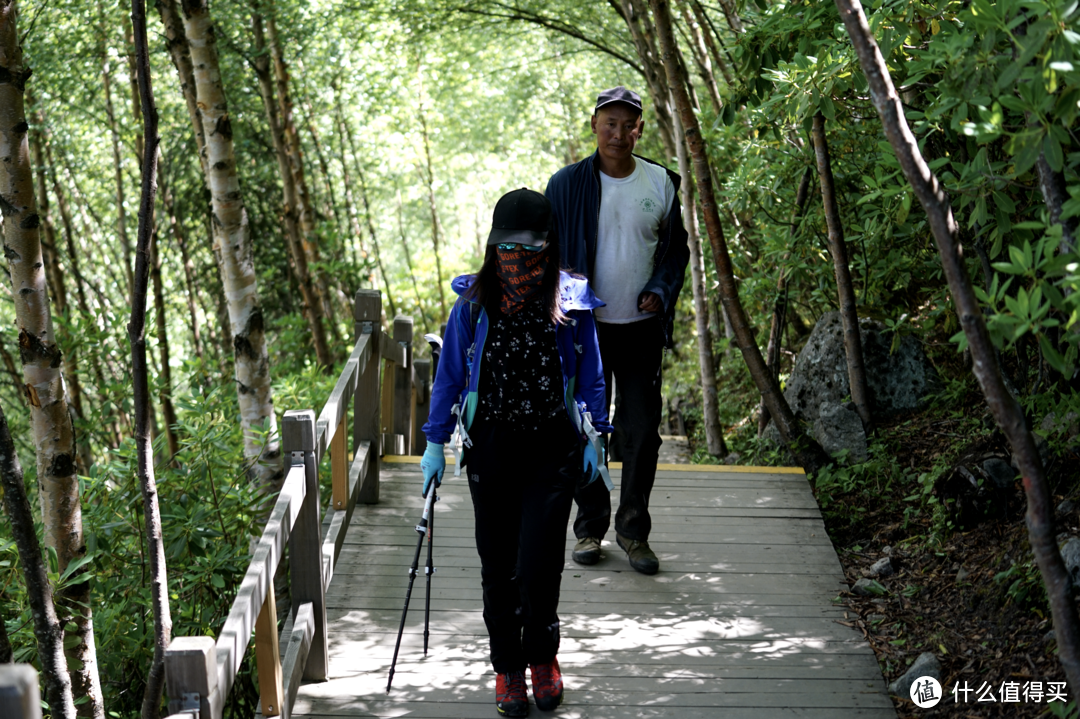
{"x": 422, "y": 529}
{"x": 429, "y": 570}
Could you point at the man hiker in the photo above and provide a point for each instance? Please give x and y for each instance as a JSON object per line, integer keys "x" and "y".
{"x": 621, "y": 226}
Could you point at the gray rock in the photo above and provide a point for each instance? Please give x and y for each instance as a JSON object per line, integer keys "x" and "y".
{"x": 1066, "y": 507}
{"x": 999, "y": 472}
{"x": 1050, "y": 636}
{"x": 927, "y": 665}
{"x": 897, "y": 381}
{"x": 1070, "y": 554}
{"x": 733, "y": 458}
{"x": 1069, "y": 426}
{"x": 837, "y": 428}
{"x": 867, "y": 588}
{"x": 887, "y": 551}
{"x": 961, "y": 575}
{"x": 883, "y": 568}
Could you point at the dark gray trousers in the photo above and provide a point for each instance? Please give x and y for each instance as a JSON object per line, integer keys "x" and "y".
{"x": 634, "y": 354}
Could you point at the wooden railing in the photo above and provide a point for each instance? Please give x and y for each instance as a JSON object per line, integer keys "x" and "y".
{"x": 200, "y": 671}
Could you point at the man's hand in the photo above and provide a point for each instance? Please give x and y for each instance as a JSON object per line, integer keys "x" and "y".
{"x": 650, "y": 302}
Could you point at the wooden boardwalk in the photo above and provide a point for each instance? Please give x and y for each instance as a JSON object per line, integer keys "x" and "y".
{"x": 740, "y": 621}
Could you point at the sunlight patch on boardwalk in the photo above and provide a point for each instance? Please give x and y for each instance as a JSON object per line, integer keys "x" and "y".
{"x": 739, "y": 622}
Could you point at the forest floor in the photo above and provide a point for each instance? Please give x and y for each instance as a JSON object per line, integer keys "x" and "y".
{"x": 971, "y": 596}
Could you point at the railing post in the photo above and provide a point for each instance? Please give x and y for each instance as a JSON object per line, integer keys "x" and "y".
{"x": 268, "y": 657}
{"x": 367, "y": 311}
{"x": 305, "y": 541}
{"x": 19, "y": 698}
{"x": 423, "y": 400}
{"x": 191, "y": 676}
{"x": 404, "y": 404}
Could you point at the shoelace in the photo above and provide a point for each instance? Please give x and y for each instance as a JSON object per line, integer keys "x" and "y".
{"x": 544, "y": 677}
{"x": 515, "y": 687}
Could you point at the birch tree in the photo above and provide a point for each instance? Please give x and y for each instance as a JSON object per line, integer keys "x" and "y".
{"x": 237, "y": 265}
{"x": 47, "y": 628}
{"x": 41, "y": 358}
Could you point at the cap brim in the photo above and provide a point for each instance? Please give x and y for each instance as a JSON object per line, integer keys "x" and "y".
{"x": 613, "y": 102}
{"x": 517, "y": 237}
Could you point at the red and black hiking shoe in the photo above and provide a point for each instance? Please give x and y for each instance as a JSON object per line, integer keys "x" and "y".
{"x": 547, "y": 685}
{"x": 511, "y": 696}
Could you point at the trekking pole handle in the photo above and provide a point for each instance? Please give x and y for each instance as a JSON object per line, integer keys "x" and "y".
{"x": 429, "y": 504}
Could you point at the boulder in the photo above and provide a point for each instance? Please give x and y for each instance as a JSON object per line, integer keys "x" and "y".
{"x": 927, "y": 665}
{"x": 897, "y": 381}
{"x": 839, "y": 427}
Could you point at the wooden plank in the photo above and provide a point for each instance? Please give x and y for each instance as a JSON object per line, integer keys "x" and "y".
{"x": 396, "y": 546}
{"x": 268, "y": 657}
{"x": 339, "y": 466}
{"x": 649, "y": 694}
{"x": 629, "y": 604}
{"x": 367, "y": 311}
{"x": 333, "y": 412}
{"x": 386, "y": 401}
{"x": 306, "y": 568}
{"x": 337, "y": 526}
{"x": 296, "y": 654}
{"x": 771, "y": 531}
{"x": 846, "y": 667}
{"x": 403, "y": 409}
{"x": 236, "y": 632}
{"x": 19, "y": 694}
{"x": 422, "y": 378}
{"x": 573, "y": 710}
{"x": 391, "y": 351}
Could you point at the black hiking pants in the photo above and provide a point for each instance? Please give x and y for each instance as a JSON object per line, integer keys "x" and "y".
{"x": 634, "y": 354}
{"x": 522, "y": 485}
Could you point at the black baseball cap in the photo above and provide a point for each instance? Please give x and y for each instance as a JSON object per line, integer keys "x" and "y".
{"x": 618, "y": 94}
{"x": 521, "y": 217}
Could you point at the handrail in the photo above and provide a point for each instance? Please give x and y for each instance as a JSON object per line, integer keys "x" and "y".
{"x": 200, "y": 671}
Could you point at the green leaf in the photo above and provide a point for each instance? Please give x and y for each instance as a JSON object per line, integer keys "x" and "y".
{"x": 1052, "y": 356}
{"x": 1052, "y": 151}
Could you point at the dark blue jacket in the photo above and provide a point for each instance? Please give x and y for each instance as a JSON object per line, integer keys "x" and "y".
{"x": 574, "y": 193}
{"x": 458, "y": 377}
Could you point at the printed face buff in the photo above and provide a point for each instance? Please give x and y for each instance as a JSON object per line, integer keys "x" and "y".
{"x": 520, "y": 274}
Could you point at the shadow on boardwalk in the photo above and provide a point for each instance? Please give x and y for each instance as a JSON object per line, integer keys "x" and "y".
{"x": 738, "y": 623}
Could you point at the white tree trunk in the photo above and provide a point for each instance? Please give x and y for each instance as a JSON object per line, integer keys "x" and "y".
{"x": 261, "y": 442}
{"x": 54, "y": 436}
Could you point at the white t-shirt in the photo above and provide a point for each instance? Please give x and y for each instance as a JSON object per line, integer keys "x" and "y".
{"x": 631, "y": 210}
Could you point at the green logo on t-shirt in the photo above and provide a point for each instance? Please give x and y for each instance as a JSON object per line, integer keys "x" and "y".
{"x": 649, "y": 205}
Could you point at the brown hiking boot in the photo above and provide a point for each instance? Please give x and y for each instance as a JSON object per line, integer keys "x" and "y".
{"x": 587, "y": 550}
{"x": 642, "y": 559}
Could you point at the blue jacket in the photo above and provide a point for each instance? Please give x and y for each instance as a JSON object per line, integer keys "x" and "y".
{"x": 574, "y": 193}
{"x": 458, "y": 376}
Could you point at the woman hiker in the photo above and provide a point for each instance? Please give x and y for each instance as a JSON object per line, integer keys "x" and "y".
{"x": 519, "y": 371}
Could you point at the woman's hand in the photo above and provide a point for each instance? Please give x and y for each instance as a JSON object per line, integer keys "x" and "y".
{"x": 433, "y": 464}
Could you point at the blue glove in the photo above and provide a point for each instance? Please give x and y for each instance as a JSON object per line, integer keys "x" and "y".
{"x": 432, "y": 465}
{"x": 591, "y": 463}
